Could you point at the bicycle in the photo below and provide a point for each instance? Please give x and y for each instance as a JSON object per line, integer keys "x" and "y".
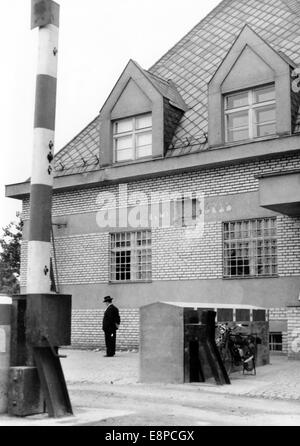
{"x": 235, "y": 348}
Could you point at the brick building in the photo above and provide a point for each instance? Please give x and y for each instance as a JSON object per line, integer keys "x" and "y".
{"x": 185, "y": 187}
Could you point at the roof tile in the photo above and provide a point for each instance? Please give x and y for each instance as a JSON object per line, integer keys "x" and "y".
{"x": 191, "y": 63}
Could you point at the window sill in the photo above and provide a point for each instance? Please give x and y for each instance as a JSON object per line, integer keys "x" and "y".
{"x": 246, "y": 141}
{"x": 128, "y": 282}
{"x": 137, "y": 161}
{"x": 250, "y": 277}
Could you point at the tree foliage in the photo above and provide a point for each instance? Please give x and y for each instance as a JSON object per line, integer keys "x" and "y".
{"x": 10, "y": 253}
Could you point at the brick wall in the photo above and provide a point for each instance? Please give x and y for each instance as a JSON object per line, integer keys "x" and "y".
{"x": 218, "y": 181}
{"x": 288, "y": 246}
{"x": 278, "y": 314}
{"x": 178, "y": 257}
{"x": 175, "y": 256}
{"x": 87, "y": 329}
{"x": 80, "y": 258}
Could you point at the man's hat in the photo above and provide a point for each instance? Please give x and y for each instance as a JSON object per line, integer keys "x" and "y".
{"x": 108, "y": 299}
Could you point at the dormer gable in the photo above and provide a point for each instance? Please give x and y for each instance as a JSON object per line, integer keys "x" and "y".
{"x": 258, "y": 72}
{"x": 250, "y": 64}
{"x": 138, "y": 99}
{"x": 132, "y": 101}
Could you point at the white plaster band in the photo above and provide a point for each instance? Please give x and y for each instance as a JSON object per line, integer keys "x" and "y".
{"x": 38, "y": 277}
{"x": 40, "y": 162}
{"x": 48, "y": 51}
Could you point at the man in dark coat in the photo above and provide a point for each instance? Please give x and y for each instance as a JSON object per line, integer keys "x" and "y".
{"x": 110, "y": 325}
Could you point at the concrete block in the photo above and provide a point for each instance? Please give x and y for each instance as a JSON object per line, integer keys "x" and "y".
{"x": 24, "y": 393}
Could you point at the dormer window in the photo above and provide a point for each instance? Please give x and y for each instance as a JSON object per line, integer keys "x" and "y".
{"x": 250, "y": 114}
{"x": 133, "y": 138}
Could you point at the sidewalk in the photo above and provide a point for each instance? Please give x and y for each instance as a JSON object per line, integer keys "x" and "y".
{"x": 278, "y": 380}
{"x": 108, "y": 390}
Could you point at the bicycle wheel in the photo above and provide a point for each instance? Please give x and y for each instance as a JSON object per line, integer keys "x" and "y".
{"x": 248, "y": 363}
{"x": 226, "y": 359}
{"x": 249, "y": 366}
{"x": 249, "y": 359}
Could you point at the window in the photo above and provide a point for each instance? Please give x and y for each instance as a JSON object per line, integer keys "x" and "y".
{"x": 250, "y": 114}
{"x": 275, "y": 342}
{"x": 250, "y": 248}
{"x": 131, "y": 256}
{"x": 133, "y": 138}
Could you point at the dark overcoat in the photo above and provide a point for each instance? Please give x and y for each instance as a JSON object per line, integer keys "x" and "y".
{"x": 111, "y": 319}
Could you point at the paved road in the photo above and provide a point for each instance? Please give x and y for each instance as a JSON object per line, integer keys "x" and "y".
{"x": 169, "y": 406}
{"x": 107, "y": 392}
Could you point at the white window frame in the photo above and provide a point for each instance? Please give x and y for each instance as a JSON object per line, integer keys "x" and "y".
{"x": 139, "y": 266}
{"x": 257, "y": 237}
{"x": 251, "y": 107}
{"x": 134, "y": 133}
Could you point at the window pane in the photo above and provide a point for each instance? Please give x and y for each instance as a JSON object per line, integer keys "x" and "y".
{"x": 143, "y": 122}
{"x": 131, "y": 263}
{"x": 265, "y": 114}
{"x": 125, "y": 125}
{"x": 237, "y": 135}
{"x": 143, "y": 145}
{"x": 144, "y": 151}
{"x": 249, "y": 250}
{"x": 264, "y": 94}
{"x": 123, "y": 143}
{"x": 124, "y": 155}
{"x": 143, "y": 139}
{"x": 237, "y": 100}
{"x": 238, "y": 120}
{"x": 266, "y": 129}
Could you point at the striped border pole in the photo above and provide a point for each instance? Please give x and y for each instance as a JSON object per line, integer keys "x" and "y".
{"x": 45, "y": 16}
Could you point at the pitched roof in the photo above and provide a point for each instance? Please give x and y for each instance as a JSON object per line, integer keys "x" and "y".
{"x": 81, "y": 154}
{"x": 168, "y": 89}
{"x": 191, "y": 63}
{"x": 293, "y": 5}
